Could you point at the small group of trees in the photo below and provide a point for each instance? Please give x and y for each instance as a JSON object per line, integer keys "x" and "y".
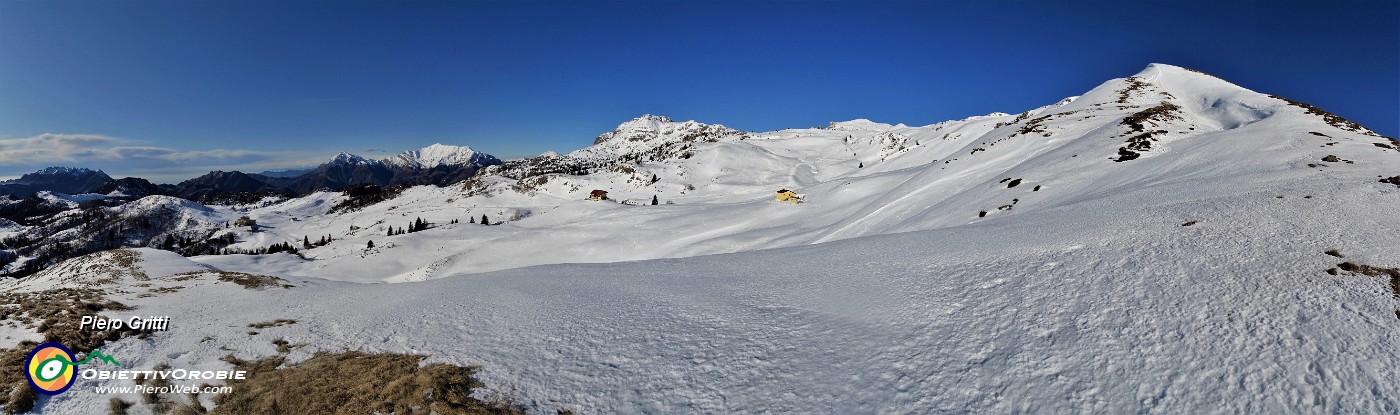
{"x": 307, "y": 244}
{"x": 171, "y": 242}
{"x": 419, "y": 224}
{"x": 275, "y": 248}
{"x": 364, "y": 194}
{"x": 415, "y": 226}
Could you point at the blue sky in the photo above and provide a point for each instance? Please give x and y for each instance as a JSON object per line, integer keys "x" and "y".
{"x": 169, "y": 90}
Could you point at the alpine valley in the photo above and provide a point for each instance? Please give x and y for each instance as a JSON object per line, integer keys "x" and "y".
{"x": 1167, "y": 242}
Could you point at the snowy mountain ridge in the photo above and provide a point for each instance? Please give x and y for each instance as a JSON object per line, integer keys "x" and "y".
{"x": 862, "y": 178}
{"x": 434, "y": 155}
{"x": 1165, "y": 242}
{"x": 352, "y": 159}
{"x": 441, "y": 155}
{"x": 1164, "y": 125}
{"x": 60, "y": 179}
{"x": 653, "y": 136}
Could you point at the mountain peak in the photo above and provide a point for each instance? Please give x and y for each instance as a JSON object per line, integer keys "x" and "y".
{"x": 654, "y": 118}
{"x": 859, "y": 124}
{"x": 66, "y": 170}
{"x": 70, "y": 180}
{"x": 1173, "y": 77}
{"x": 646, "y": 122}
{"x": 636, "y": 129}
{"x": 49, "y": 174}
{"x": 440, "y": 154}
{"x": 347, "y": 158}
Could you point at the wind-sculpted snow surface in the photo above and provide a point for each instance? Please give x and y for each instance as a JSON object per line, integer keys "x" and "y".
{"x": 1109, "y": 305}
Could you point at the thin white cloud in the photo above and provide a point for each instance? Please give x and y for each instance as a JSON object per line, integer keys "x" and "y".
{"x": 177, "y": 156}
{"x": 121, "y": 157}
{"x": 52, "y": 148}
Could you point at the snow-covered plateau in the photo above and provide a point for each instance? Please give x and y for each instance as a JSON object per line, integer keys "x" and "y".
{"x": 1164, "y": 243}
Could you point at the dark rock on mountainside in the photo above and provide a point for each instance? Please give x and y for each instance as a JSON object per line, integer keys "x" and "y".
{"x": 55, "y": 179}
{"x": 224, "y": 187}
{"x": 133, "y": 187}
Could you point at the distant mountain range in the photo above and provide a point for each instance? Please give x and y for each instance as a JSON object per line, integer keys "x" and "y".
{"x": 437, "y": 164}
{"x": 859, "y": 178}
{"x": 55, "y": 179}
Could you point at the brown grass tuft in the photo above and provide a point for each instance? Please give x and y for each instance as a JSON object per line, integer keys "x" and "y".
{"x": 253, "y": 282}
{"x": 356, "y": 383}
{"x": 54, "y": 313}
{"x": 274, "y": 323}
{"x": 191, "y": 408}
{"x": 1393, "y": 273}
{"x": 1329, "y": 118}
{"x": 117, "y": 406}
{"x": 21, "y": 399}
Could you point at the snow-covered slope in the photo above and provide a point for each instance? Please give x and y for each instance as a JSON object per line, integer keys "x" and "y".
{"x": 1165, "y": 243}
{"x": 1166, "y": 126}
{"x": 1106, "y": 305}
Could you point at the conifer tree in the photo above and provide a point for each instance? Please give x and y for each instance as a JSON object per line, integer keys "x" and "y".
{"x": 654, "y": 202}
{"x": 485, "y": 221}
{"x": 370, "y": 245}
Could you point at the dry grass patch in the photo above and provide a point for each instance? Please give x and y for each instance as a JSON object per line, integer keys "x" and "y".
{"x": 186, "y": 276}
{"x": 1134, "y": 84}
{"x": 1136, "y": 122}
{"x": 21, "y": 399}
{"x": 12, "y": 378}
{"x": 1393, "y": 273}
{"x": 117, "y": 406}
{"x": 1329, "y": 118}
{"x": 355, "y": 383}
{"x": 56, "y": 315}
{"x": 274, "y": 323}
{"x": 253, "y": 281}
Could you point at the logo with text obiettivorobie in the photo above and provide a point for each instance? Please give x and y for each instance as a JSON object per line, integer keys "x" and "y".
{"x": 50, "y": 368}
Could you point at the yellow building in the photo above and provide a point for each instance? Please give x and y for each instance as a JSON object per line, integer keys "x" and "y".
{"x": 789, "y": 196}
{"x": 598, "y": 195}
